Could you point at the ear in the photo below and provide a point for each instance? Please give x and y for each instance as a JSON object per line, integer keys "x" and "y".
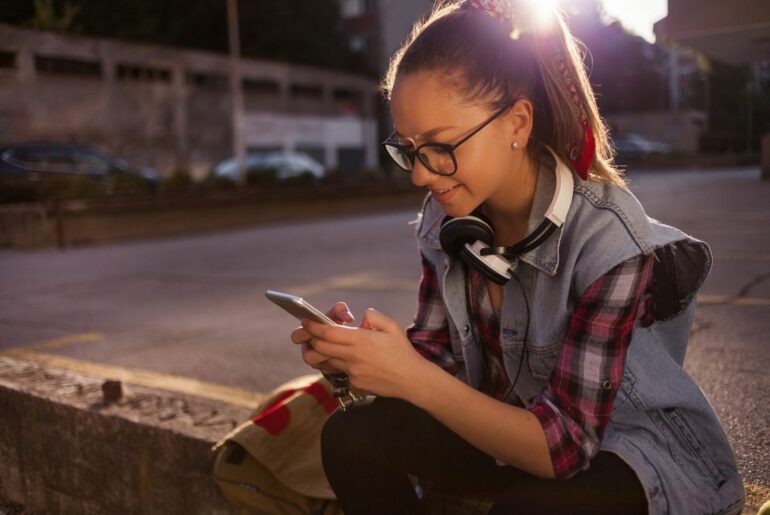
{"x": 520, "y": 118}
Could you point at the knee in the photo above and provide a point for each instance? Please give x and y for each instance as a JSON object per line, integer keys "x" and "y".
{"x": 342, "y": 438}
{"x": 364, "y": 429}
{"x": 335, "y": 432}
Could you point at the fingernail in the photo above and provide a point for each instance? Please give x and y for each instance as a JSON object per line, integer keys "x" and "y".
{"x": 347, "y": 314}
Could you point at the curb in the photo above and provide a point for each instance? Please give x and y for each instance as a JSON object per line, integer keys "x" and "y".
{"x": 29, "y": 226}
{"x": 64, "y": 450}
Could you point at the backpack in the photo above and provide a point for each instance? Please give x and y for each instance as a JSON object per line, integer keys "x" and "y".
{"x": 271, "y": 463}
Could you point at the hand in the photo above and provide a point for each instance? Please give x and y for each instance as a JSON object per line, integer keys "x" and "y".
{"x": 340, "y": 314}
{"x": 377, "y": 356}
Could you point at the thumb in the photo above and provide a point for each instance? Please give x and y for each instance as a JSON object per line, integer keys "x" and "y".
{"x": 376, "y": 321}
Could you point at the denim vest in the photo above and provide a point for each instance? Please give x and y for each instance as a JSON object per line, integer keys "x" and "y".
{"x": 662, "y": 425}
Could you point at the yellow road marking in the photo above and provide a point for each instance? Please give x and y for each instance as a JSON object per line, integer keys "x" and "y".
{"x": 174, "y": 383}
{"x": 65, "y": 341}
{"x": 362, "y": 281}
{"x": 731, "y": 299}
{"x": 742, "y": 256}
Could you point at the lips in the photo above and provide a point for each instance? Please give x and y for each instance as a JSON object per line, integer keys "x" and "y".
{"x": 442, "y": 195}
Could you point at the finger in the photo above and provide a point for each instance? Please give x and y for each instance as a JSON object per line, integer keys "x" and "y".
{"x": 330, "y": 349}
{"x": 312, "y": 357}
{"x": 376, "y": 321}
{"x": 300, "y": 335}
{"x": 341, "y": 314}
{"x": 332, "y": 333}
{"x": 335, "y": 365}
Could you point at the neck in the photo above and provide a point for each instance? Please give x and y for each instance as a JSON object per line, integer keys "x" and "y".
{"x": 510, "y": 206}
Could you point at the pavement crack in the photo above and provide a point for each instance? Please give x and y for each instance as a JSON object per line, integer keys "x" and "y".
{"x": 743, "y": 292}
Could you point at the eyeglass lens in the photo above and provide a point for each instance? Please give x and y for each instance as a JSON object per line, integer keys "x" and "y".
{"x": 436, "y": 158}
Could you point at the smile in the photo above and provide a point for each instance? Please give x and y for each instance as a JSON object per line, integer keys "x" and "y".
{"x": 445, "y": 190}
{"x": 445, "y": 194}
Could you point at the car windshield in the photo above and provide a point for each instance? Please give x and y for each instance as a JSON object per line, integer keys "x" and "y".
{"x": 42, "y": 158}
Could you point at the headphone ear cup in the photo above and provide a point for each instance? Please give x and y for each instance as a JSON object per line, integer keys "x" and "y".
{"x": 493, "y": 267}
{"x": 456, "y": 232}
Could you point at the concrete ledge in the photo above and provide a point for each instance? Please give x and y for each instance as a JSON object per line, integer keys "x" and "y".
{"x": 63, "y": 450}
{"x": 80, "y": 222}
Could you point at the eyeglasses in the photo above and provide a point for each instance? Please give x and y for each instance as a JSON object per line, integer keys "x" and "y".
{"x": 439, "y": 158}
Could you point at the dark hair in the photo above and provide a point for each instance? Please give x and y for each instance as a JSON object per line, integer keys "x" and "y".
{"x": 483, "y": 59}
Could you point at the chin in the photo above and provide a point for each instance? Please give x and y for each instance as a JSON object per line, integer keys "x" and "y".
{"x": 456, "y": 211}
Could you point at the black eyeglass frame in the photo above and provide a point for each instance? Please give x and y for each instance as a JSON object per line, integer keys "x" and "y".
{"x": 449, "y": 147}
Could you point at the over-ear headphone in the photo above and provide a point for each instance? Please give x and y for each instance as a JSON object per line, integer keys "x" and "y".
{"x": 471, "y": 237}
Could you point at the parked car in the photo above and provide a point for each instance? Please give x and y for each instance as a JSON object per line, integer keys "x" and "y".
{"x": 636, "y": 146}
{"x": 279, "y": 166}
{"x": 76, "y": 168}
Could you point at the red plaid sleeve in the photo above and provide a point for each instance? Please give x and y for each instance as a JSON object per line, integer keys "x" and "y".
{"x": 576, "y": 406}
{"x": 430, "y": 331}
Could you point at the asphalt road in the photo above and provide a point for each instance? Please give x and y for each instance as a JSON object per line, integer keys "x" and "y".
{"x": 194, "y": 306}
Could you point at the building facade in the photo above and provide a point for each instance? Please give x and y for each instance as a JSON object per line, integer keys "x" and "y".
{"x": 171, "y": 108}
{"x": 377, "y": 29}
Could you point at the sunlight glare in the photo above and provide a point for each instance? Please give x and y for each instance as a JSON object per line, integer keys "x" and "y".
{"x": 541, "y": 12}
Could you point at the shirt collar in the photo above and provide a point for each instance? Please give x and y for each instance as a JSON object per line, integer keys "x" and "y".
{"x": 545, "y": 256}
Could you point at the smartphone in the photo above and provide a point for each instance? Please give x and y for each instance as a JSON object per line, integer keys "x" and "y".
{"x": 298, "y": 307}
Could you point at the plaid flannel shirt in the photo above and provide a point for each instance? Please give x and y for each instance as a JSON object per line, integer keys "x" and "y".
{"x": 575, "y": 407}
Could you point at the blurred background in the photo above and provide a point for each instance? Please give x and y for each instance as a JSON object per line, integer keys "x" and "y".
{"x": 106, "y": 99}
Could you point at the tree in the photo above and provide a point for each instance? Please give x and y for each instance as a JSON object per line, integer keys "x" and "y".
{"x": 297, "y": 31}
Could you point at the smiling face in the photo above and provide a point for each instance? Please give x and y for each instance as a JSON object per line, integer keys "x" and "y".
{"x": 489, "y": 172}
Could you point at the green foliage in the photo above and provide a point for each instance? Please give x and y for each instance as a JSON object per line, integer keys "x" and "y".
{"x": 14, "y": 191}
{"x": 298, "y": 31}
{"x": 120, "y": 183}
{"x": 262, "y": 177}
{"x": 48, "y": 17}
{"x": 179, "y": 182}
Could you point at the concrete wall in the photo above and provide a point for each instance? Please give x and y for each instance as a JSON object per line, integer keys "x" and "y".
{"x": 159, "y": 106}
{"x": 63, "y": 450}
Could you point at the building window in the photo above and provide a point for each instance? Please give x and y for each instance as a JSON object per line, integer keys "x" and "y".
{"x": 348, "y": 101}
{"x": 314, "y": 150}
{"x": 261, "y": 86}
{"x": 351, "y": 159}
{"x": 207, "y": 80}
{"x": 260, "y": 150}
{"x": 306, "y": 91}
{"x": 358, "y": 43}
{"x": 142, "y": 73}
{"x": 353, "y": 8}
{"x": 67, "y": 66}
{"x": 7, "y": 59}
{"x": 350, "y": 8}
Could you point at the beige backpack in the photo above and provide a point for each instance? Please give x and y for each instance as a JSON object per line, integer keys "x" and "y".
{"x": 271, "y": 464}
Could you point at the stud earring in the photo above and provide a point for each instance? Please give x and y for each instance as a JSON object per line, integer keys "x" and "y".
{"x": 515, "y": 145}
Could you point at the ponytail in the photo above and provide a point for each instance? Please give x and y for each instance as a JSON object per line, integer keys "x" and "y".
{"x": 498, "y": 50}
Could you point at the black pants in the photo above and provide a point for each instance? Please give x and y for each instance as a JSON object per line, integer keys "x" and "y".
{"x": 369, "y": 450}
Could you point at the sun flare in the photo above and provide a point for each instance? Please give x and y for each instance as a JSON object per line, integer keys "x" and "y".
{"x": 540, "y": 13}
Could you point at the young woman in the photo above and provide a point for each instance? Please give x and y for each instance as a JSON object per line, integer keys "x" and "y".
{"x": 544, "y": 367}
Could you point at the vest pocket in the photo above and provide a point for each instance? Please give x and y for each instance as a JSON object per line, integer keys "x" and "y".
{"x": 541, "y": 362}
{"x": 676, "y": 423}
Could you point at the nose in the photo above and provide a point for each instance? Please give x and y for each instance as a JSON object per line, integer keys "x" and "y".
{"x": 421, "y": 176}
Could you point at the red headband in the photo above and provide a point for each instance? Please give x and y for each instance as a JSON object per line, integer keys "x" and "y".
{"x": 580, "y": 154}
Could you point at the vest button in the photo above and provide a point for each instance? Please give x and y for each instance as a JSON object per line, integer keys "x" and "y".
{"x": 607, "y": 384}
{"x": 467, "y": 329}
